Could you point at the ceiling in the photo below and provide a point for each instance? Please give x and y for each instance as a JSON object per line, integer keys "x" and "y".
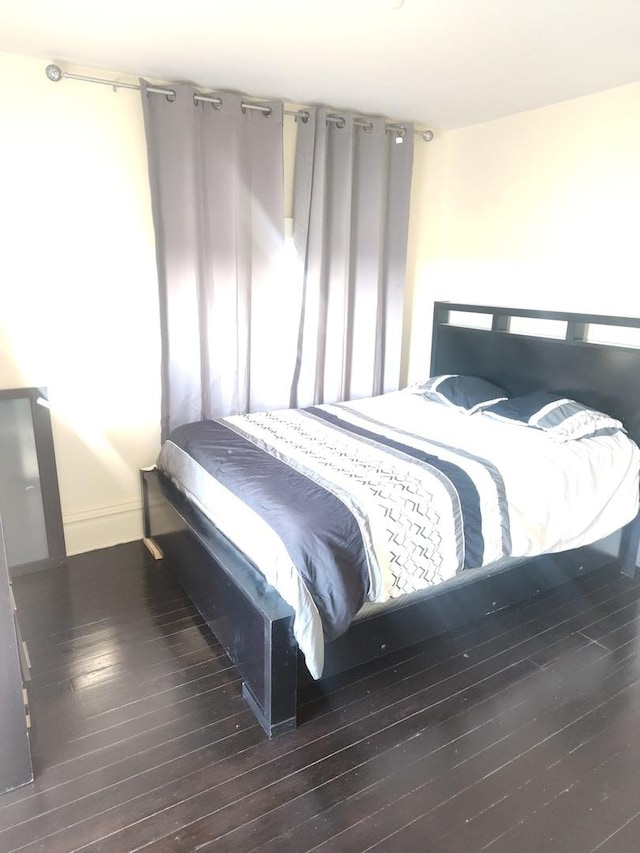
{"x": 442, "y": 63}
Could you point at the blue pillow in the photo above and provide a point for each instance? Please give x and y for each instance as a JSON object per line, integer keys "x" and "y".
{"x": 561, "y": 418}
{"x": 522, "y": 409}
{"x": 467, "y": 393}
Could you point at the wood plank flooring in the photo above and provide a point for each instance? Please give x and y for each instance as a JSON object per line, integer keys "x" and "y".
{"x": 519, "y": 733}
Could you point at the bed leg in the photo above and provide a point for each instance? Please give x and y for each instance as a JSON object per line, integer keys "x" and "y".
{"x": 271, "y": 727}
{"x": 153, "y": 548}
{"x": 150, "y": 544}
{"x": 270, "y": 685}
{"x": 629, "y": 547}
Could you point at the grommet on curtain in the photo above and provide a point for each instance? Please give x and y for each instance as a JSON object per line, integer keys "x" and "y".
{"x": 266, "y": 111}
{"x": 216, "y": 103}
{"x": 171, "y": 98}
{"x": 368, "y": 127}
{"x": 303, "y": 116}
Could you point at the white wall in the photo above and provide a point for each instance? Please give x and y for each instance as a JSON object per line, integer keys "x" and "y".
{"x": 426, "y": 222}
{"x": 78, "y": 285}
{"x": 539, "y": 209}
{"x": 78, "y": 304}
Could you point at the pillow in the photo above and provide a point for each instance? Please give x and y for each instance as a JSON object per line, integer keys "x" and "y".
{"x": 468, "y": 393}
{"x": 561, "y": 418}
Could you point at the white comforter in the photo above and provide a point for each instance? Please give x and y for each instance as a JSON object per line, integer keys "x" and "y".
{"x": 559, "y": 496}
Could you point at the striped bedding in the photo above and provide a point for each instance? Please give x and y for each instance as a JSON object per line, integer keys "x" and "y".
{"x": 369, "y": 501}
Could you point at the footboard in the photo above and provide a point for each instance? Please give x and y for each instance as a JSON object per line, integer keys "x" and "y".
{"x": 255, "y": 626}
{"x": 247, "y": 616}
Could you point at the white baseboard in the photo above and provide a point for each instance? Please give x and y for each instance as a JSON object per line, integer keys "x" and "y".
{"x": 102, "y": 527}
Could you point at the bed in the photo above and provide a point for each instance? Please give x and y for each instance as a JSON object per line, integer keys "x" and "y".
{"x": 274, "y": 643}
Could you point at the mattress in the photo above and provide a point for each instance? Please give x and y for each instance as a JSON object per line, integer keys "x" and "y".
{"x": 407, "y": 493}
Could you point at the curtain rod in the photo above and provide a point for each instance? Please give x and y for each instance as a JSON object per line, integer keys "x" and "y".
{"x": 55, "y": 73}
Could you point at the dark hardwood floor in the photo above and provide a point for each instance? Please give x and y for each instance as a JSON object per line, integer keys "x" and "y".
{"x": 518, "y": 734}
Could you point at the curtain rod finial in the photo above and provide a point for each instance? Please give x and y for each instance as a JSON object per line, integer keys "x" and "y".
{"x": 54, "y": 73}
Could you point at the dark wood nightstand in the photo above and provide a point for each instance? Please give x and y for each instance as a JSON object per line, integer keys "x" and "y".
{"x": 15, "y": 751}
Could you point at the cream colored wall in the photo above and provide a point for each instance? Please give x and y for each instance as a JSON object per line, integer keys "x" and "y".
{"x": 425, "y": 239}
{"x": 78, "y": 286}
{"x": 78, "y": 304}
{"x": 538, "y": 209}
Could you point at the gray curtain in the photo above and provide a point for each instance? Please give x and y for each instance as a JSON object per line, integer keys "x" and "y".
{"x": 351, "y": 214}
{"x": 216, "y": 179}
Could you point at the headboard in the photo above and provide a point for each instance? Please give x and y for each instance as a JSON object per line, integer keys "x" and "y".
{"x": 601, "y": 375}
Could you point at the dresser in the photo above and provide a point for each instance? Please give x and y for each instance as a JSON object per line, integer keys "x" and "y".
{"x": 15, "y": 752}
{"x": 29, "y": 497}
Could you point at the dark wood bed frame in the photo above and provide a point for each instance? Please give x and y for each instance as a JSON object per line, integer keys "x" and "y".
{"x": 252, "y": 621}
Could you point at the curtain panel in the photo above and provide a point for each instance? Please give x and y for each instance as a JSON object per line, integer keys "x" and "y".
{"x": 351, "y": 217}
{"x": 216, "y": 179}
